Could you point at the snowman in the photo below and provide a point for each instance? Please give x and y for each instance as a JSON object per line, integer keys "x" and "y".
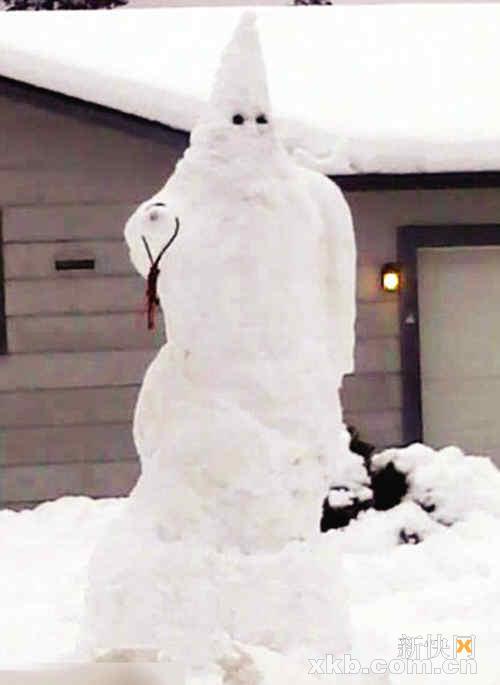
{"x": 238, "y": 423}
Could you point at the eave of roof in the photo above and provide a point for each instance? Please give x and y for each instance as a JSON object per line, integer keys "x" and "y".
{"x": 355, "y": 89}
{"x": 140, "y": 127}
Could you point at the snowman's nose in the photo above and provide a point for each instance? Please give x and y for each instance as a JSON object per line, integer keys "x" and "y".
{"x": 153, "y": 213}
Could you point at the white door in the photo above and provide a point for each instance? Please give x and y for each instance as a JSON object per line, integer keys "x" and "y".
{"x": 459, "y": 321}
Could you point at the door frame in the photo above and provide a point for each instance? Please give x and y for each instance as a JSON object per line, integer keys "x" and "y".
{"x": 409, "y": 240}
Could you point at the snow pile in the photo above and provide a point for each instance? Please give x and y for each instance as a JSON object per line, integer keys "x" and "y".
{"x": 356, "y": 89}
{"x": 44, "y": 557}
{"x": 196, "y": 603}
{"x": 445, "y": 483}
{"x": 448, "y": 584}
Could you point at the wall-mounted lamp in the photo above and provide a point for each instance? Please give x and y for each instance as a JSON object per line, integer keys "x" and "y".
{"x": 390, "y": 277}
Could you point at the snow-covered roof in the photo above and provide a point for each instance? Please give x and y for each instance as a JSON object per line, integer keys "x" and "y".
{"x": 356, "y": 89}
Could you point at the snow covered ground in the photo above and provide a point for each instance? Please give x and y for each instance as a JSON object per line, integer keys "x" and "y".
{"x": 447, "y": 585}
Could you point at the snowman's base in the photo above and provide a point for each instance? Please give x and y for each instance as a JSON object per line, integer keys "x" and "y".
{"x": 119, "y": 655}
{"x": 192, "y": 602}
{"x": 242, "y": 665}
{"x": 250, "y": 665}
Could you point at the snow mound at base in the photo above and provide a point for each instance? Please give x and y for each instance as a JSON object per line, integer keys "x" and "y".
{"x": 44, "y": 557}
{"x": 448, "y": 584}
{"x": 194, "y": 601}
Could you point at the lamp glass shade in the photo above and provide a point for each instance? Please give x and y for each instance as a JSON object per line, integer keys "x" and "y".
{"x": 391, "y": 278}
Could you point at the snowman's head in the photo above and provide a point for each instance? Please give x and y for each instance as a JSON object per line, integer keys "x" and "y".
{"x": 237, "y": 123}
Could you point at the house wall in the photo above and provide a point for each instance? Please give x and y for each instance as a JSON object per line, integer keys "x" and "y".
{"x": 373, "y": 397}
{"x": 77, "y": 346}
{"x": 77, "y": 342}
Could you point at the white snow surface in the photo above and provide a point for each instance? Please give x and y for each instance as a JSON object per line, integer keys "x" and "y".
{"x": 356, "y": 89}
{"x": 448, "y": 584}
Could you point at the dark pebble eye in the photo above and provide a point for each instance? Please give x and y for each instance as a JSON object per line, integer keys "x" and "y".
{"x": 238, "y": 119}
{"x": 262, "y": 119}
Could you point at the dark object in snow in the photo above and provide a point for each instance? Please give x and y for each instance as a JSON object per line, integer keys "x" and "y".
{"x": 407, "y": 538}
{"x": 63, "y": 4}
{"x": 427, "y": 507}
{"x": 358, "y": 446}
{"x": 339, "y": 517}
{"x": 389, "y": 487}
{"x": 152, "y": 298}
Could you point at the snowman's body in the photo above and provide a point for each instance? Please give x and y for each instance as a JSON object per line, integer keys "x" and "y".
{"x": 243, "y": 398}
{"x": 249, "y": 291}
{"x": 238, "y": 423}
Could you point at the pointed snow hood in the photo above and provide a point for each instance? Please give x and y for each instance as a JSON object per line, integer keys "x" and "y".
{"x": 237, "y": 121}
{"x": 234, "y": 144}
{"x": 241, "y": 83}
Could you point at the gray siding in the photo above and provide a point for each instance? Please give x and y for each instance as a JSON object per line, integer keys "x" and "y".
{"x": 77, "y": 342}
{"x": 372, "y": 398}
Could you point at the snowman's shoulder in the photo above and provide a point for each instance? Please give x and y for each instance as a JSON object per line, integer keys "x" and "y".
{"x": 328, "y": 196}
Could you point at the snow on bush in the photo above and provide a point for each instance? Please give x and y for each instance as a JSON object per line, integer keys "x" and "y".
{"x": 445, "y": 483}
